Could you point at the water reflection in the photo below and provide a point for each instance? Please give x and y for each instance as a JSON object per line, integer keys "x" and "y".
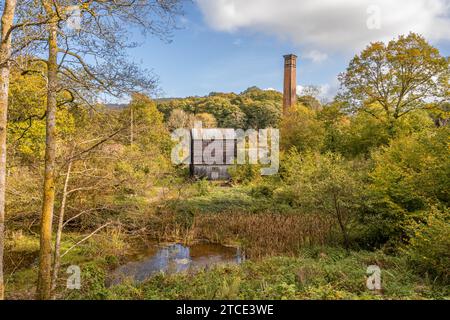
{"x": 176, "y": 258}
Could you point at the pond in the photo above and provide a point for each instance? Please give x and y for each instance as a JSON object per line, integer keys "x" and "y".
{"x": 176, "y": 258}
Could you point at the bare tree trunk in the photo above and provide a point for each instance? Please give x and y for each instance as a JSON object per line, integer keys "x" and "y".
{"x": 344, "y": 232}
{"x": 341, "y": 223}
{"x": 56, "y": 254}
{"x": 131, "y": 125}
{"x": 5, "y": 51}
{"x": 45, "y": 254}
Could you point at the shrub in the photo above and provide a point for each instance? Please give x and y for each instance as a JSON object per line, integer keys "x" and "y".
{"x": 327, "y": 184}
{"x": 245, "y": 173}
{"x": 301, "y": 129}
{"x": 409, "y": 176}
{"x": 202, "y": 187}
{"x": 428, "y": 250}
{"x": 262, "y": 191}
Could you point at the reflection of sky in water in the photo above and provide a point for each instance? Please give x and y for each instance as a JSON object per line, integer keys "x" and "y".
{"x": 177, "y": 258}
{"x": 171, "y": 259}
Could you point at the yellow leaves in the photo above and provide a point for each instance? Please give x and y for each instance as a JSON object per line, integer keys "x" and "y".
{"x": 408, "y": 59}
{"x": 85, "y": 6}
{"x": 415, "y": 52}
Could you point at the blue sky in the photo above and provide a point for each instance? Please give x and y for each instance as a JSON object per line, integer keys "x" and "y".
{"x": 213, "y": 51}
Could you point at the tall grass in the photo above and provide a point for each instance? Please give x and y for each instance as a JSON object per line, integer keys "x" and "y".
{"x": 263, "y": 234}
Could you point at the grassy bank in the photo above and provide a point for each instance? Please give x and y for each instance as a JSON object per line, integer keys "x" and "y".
{"x": 316, "y": 273}
{"x": 293, "y": 255}
{"x": 312, "y": 273}
{"x": 258, "y": 224}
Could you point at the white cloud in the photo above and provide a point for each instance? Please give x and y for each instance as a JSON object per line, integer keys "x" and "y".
{"x": 315, "y": 55}
{"x": 325, "y": 92}
{"x": 335, "y": 25}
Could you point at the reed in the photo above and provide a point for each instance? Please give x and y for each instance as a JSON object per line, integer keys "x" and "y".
{"x": 259, "y": 235}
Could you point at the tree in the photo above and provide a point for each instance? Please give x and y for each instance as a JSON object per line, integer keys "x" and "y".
{"x": 359, "y": 134}
{"x": 227, "y": 114}
{"x": 334, "y": 120}
{"x": 5, "y": 53}
{"x": 441, "y": 115}
{"x": 401, "y": 76}
{"x": 310, "y": 102}
{"x": 310, "y": 96}
{"x": 27, "y": 113}
{"x": 180, "y": 119}
{"x": 148, "y": 127}
{"x": 253, "y": 108}
{"x": 166, "y": 106}
{"x": 100, "y": 175}
{"x": 262, "y": 114}
{"x": 102, "y": 34}
{"x": 207, "y": 120}
{"x": 409, "y": 177}
{"x": 325, "y": 183}
{"x": 83, "y": 156}
{"x": 45, "y": 252}
{"x": 428, "y": 248}
{"x": 301, "y": 129}
{"x": 256, "y": 94}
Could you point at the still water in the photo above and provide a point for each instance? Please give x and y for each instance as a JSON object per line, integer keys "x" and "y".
{"x": 176, "y": 258}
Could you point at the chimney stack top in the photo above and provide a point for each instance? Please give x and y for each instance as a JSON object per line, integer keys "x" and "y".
{"x": 290, "y": 82}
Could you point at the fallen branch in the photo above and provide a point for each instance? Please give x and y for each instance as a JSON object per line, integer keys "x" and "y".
{"x": 85, "y": 238}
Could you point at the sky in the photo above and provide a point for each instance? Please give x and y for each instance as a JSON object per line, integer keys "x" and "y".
{"x": 230, "y": 45}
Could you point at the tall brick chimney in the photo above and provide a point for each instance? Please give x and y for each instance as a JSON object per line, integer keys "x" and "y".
{"x": 290, "y": 81}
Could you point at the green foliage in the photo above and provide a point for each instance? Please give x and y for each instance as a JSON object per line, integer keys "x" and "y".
{"x": 228, "y": 115}
{"x": 401, "y": 76}
{"x": 370, "y": 169}
{"x": 428, "y": 248}
{"x": 262, "y": 114}
{"x": 334, "y": 121}
{"x": 319, "y": 273}
{"x": 414, "y": 170}
{"x": 93, "y": 278}
{"x": 409, "y": 176}
{"x": 148, "y": 127}
{"x": 26, "y": 114}
{"x": 245, "y": 173}
{"x": 361, "y": 133}
{"x": 301, "y": 129}
{"x": 262, "y": 191}
{"x": 256, "y": 94}
{"x": 202, "y": 187}
{"x": 254, "y": 108}
{"x": 310, "y": 102}
{"x": 222, "y": 200}
{"x": 327, "y": 184}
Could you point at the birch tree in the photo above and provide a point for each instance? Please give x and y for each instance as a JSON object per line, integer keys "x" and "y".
{"x": 87, "y": 60}
{"x": 5, "y": 53}
{"x": 21, "y": 28}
